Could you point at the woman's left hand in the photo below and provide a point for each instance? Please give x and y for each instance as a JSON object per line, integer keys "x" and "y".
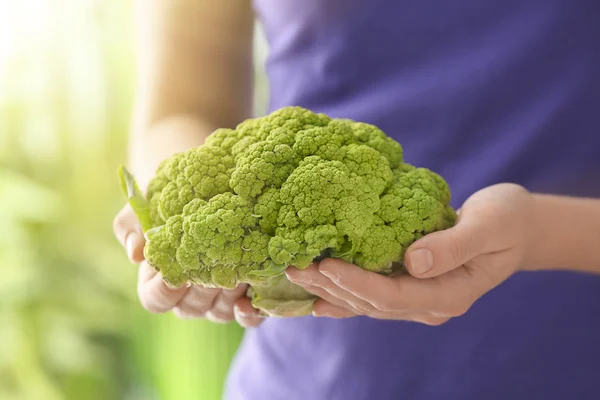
{"x": 448, "y": 270}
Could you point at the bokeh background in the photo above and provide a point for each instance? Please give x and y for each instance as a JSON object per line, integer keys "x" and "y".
{"x": 71, "y": 326}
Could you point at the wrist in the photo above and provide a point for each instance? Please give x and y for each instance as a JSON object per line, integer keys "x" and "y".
{"x": 565, "y": 234}
{"x": 539, "y": 235}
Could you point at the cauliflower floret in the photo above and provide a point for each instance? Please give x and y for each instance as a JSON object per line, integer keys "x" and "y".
{"x": 285, "y": 190}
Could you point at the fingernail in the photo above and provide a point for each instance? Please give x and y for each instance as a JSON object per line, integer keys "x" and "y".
{"x": 241, "y": 313}
{"x": 331, "y": 275}
{"x": 421, "y": 261}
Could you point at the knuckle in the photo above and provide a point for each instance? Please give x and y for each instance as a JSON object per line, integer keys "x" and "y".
{"x": 230, "y": 295}
{"x": 185, "y": 314}
{"x": 194, "y": 306}
{"x": 168, "y": 296}
{"x": 179, "y": 313}
{"x": 456, "y": 250}
{"x": 218, "y": 317}
{"x": 193, "y": 310}
{"x": 154, "y": 299}
{"x": 151, "y": 306}
{"x": 222, "y": 308}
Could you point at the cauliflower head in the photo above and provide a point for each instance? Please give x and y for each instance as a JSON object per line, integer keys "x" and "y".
{"x": 284, "y": 190}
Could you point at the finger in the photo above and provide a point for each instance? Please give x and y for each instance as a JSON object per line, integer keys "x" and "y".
{"x": 406, "y": 297}
{"x": 367, "y": 310}
{"x": 443, "y": 251}
{"x": 222, "y": 310}
{"x": 312, "y": 280}
{"x": 323, "y": 308}
{"x": 154, "y": 294}
{"x": 196, "y": 302}
{"x": 328, "y": 297}
{"x": 308, "y": 279}
{"x": 231, "y": 295}
{"x": 146, "y": 272}
{"x": 127, "y": 229}
{"x": 220, "y": 316}
{"x": 450, "y": 294}
{"x": 245, "y": 314}
{"x": 374, "y": 289}
{"x": 425, "y": 318}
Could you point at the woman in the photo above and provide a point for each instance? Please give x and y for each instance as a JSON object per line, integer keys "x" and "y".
{"x": 506, "y": 304}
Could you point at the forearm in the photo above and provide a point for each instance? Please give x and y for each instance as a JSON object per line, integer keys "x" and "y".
{"x": 170, "y": 135}
{"x": 567, "y": 234}
{"x": 194, "y": 75}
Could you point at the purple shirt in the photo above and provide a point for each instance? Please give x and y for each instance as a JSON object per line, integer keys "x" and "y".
{"x": 481, "y": 92}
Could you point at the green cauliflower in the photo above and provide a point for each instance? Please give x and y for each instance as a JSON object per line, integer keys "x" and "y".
{"x": 285, "y": 190}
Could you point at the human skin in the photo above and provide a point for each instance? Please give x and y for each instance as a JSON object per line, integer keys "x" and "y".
{"x": 500, "y": 230}
{"x": 195, "y": 75}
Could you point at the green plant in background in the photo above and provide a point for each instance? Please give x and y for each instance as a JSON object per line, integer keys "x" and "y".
{"x": 71, "y": 326}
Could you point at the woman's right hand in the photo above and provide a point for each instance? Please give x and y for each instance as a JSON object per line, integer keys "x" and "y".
{"x": 188, "y": 301}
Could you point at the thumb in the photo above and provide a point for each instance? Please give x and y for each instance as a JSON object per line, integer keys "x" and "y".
{"x": 443, "y": 251}
{"x": 128, "y": 231}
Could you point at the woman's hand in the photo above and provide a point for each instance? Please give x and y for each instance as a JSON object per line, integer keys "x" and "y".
{"x": 449, "y": 270}
{"x": 189, "y": 301}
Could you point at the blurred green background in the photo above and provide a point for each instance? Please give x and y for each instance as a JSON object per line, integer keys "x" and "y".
{"x": 71, "y": 326}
